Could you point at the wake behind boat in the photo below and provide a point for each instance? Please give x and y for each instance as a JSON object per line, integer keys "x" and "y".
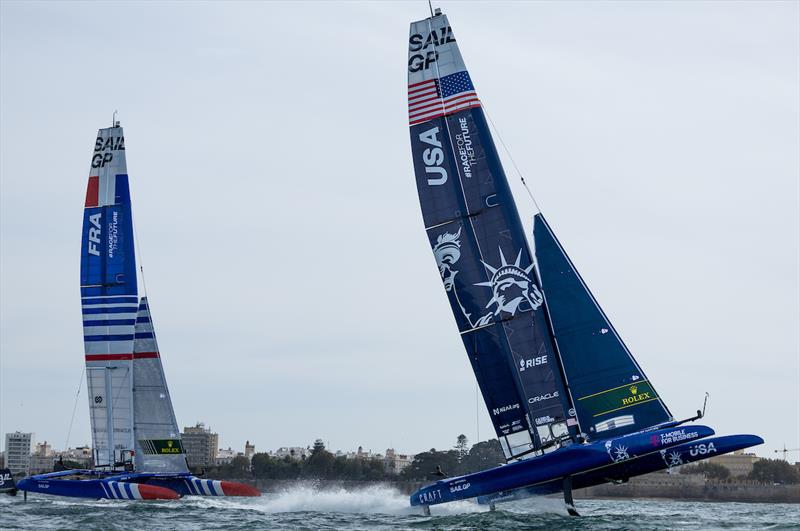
{"x": 138, "y": 453}
{"x": 568, "y": 401}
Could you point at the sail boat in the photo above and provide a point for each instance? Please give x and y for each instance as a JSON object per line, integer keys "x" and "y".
{"x": 569, "y": 404}
{"x": 137, "y": 446}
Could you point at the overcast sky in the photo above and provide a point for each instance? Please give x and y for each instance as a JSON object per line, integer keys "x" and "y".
{"x": 291, "y": 282}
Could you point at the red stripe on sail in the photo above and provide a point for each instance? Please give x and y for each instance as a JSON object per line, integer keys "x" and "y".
{"x": 92, "y": 190}
{"x": 108, "y": 357}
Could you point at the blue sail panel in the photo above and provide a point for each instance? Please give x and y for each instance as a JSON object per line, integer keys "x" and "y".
{"x": 611, "y": 393}
{"x": 479, "y": 243}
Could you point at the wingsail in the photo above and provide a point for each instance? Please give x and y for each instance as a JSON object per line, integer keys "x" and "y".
{"x": 109, "y": 299}
{"x": 480, "y": 247}
{"x": 612, "y": 394}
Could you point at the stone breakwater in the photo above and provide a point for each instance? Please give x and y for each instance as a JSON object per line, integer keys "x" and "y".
{"x": 693, "y": 487}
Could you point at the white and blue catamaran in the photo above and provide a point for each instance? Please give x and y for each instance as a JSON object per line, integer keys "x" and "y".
{"x": 568, "y": 402}
{"x": 137, "y": 445}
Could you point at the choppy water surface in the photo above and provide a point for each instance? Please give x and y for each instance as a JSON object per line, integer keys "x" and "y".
{"x": 382, "y": 508}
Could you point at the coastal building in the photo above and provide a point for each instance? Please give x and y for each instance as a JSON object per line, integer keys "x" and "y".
{"x": 200, "y": 445}
{"x": 738, "y": 463}
{"x": 249, "y": 450}
{"x": 224, "y": 457}
{"x": 19, "y": 446}
{"x": 80, "y": 457}
{"x": 42, "y": 459}
{"x": 394, "y": 463}
{"x": 292, "y": 452}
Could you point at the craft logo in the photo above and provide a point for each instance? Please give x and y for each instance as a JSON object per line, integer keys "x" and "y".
{"x": 503, "y": 409}
{"x": 430, "y": 496}
{"x": 635, "y": 396}
{"x": 420, "y": 43}
{"x": 5, "y": 476}
{"x": 94, "y": 233}
{"x": 433, "y": 157}
{"x": 532, "y": 362}
{"x": 100, "y": 160}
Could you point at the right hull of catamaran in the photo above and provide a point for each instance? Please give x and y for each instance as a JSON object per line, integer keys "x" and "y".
{"x": 598, "y": 462}
{"x": 94, "y": 485}
{"x": 620, "y": 473}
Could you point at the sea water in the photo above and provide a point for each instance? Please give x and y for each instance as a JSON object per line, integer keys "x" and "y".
{"x": 382, "y": 508}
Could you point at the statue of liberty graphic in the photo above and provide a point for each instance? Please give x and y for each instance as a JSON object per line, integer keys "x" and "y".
{"x": 511, "y": 285}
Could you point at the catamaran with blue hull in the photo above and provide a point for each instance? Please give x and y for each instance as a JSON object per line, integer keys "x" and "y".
{"x": 570, "y": 405}
{"x": 137, "y": 445}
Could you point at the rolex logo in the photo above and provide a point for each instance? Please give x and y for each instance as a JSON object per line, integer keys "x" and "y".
{"x": 169, "y": 443}
{"x": 633, "y": 389}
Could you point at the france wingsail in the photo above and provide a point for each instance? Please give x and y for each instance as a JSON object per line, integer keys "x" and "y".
{"x": 138, "y": 452}
{"x": 567, "y": 400}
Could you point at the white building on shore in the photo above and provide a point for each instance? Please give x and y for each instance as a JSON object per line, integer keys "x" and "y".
{"x": 19, "y": 447}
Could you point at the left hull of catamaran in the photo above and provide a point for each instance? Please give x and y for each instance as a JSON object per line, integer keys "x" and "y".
{"x": 565, "y": 461}
{"x": 92, "y": 484}
{"x": 96, "y": 489}
{"x": 622, "y": 472}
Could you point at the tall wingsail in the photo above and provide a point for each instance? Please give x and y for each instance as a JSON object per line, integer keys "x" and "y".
{"x": 109, "y": 298}
{"x": 480, "y": 247}
{"x": 612, "y": 395}
{"x": 158, "y": 439}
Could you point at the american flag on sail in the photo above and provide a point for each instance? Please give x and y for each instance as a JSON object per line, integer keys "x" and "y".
{"x": 438, "y": 97}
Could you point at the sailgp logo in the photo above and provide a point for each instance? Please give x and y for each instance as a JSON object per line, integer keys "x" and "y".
{"x": 512, "y": 286}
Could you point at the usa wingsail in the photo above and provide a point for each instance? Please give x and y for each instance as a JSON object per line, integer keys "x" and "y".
{"x": 138, "y": 453}
{"x": 568, "y": 401}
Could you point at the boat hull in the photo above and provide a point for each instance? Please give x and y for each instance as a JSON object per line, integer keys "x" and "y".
{"x": 137, "y": 486}
{"x": 654, "y": 462}
{"x": 620, "y": 453}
